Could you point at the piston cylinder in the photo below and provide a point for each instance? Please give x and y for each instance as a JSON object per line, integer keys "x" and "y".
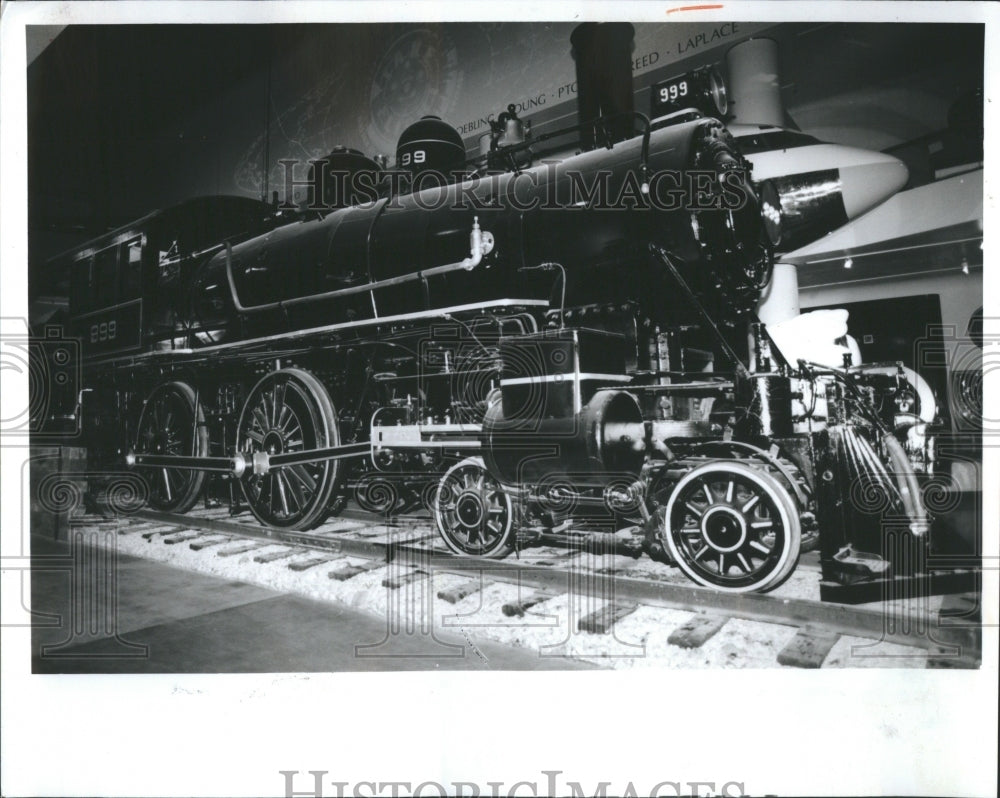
{"x": 605, "y": 440}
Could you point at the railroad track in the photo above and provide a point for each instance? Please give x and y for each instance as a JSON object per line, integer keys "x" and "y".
{"x": 409, "y": 550}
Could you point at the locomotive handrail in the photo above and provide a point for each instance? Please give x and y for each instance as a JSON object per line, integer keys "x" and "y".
{"x": 513, "y": 149}
{"x": 255, "y": 346}
{"x": 481, "y": 241}
{"x": 201, "y": 253}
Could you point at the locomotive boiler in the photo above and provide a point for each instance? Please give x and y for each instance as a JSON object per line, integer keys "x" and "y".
{"x": 526, "y": 348}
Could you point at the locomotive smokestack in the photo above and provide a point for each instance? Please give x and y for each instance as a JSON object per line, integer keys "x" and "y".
{"x": 603, "y": 53}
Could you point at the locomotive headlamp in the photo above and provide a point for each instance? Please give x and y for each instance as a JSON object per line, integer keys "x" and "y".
{"x": 701, "y": 88}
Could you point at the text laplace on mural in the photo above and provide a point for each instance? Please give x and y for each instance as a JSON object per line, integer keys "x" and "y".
{"x": 708, "y": 37}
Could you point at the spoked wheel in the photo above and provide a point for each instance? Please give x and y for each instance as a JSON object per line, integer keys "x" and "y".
{"x": 473, "y": 512}
{"x": 167, "y": 426}
{"x": 786, "y": 473}
{"x": 733, "y": 528}
{"x": 289, "y": 411}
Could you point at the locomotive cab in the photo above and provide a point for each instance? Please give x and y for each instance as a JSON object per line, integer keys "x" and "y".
{"x": 129, "y": 287}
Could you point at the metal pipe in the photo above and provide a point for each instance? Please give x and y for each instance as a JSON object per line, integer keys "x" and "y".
{"x": 481, "y": 244}
{"x": 907, "y": 485}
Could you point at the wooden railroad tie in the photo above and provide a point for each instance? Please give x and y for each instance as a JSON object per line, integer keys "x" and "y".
{"x": 241, "y": 549}
{"x": 398, "y": 580}
{"x": 182, "y": 538}
{"x": 163, "y": 530}
{"x": 453, "y": 595}
{"x": 350, "y": 571}
{"x": 808, "y": 648}
{"x": 125, "y": 526}
{"x": 516, "y": 609}
{"x": 198, "y": 545}
{"x": 271, "y": 556}
{"x": 305, "y": 565}
{"x": 696, "y": 631}
{"x": 601, "y": 621}
{"x": 130, "y": 529}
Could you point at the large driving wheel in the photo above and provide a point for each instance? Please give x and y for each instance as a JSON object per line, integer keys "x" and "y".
{"x": 733, "y": 528}
{"x": 167, "y": 426}
{"x": 472, "y": 511}
{"x": 289, "y": 411}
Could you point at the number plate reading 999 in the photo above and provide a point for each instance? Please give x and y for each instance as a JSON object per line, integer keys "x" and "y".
{"x": 113, "y": 329}
{"x": 671, "y": 95}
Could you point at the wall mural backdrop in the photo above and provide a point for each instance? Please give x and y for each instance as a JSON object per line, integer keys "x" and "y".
{"x": 163, "y": 113}
{"x": 361, "y": 85}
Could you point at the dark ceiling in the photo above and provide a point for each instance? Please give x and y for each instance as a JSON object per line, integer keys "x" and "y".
{"x": 112, "y": 102}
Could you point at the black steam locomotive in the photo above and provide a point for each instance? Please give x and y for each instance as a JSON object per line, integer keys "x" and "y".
{"x": 527, "y": 346}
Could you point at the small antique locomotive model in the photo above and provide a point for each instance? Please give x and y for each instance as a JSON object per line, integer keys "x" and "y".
{"x": 531, "y": 346}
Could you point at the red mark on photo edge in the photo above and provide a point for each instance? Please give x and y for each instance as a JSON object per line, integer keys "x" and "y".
{"x": 694, "y": 8}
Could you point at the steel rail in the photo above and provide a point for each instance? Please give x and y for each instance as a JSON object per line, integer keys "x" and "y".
{"x": 883, "y": 623}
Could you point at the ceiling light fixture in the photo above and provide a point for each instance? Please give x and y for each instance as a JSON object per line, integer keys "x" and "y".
{"x": 849, "y": 263}
{"x": 965, "y": 266}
